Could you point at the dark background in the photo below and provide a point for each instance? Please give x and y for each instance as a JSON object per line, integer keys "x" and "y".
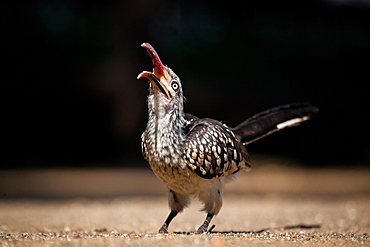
{"x": 69, "y": 94}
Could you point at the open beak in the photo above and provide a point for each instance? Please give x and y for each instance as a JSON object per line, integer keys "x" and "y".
{"x": 159, "y": 78}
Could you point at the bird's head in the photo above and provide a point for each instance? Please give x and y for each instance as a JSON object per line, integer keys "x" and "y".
{"x": 162, "y": 80}
{"x": 166, "y": 99}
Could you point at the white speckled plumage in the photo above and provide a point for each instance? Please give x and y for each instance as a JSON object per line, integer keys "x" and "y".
{"x": 197, "y": 157}
{"x": 189, "y": 163}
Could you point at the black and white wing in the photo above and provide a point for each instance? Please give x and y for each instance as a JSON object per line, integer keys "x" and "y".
{"x": 212, "y": 150}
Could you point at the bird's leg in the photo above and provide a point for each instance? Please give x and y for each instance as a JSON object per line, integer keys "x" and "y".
{"x": 204, "y": 227}
{"x": 177, "y": 202}
{"x": 164, "y": 228}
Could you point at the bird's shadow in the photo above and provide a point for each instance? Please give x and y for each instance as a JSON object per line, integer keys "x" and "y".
{"x": 283, "y": 228}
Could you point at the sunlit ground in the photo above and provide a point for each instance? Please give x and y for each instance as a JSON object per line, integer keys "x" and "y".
{"x": 96, "y": 207}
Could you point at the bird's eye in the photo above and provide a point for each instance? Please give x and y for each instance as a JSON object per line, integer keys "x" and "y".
{"x": 175, "y": 85}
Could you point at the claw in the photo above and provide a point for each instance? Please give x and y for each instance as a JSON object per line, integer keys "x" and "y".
{"x": 163, "y": 229}
{"x": 202, "y": 229}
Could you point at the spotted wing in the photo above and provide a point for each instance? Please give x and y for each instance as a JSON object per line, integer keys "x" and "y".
{"x": 212, "y": 150}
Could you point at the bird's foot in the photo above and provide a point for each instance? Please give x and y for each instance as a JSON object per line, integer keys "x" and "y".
{"x": 163, "y": 229}
{"x": 202, "y": 229}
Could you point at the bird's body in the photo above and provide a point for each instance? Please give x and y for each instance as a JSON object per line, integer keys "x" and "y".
{"x": 177, "y": 151}
{"x": 197, "y": 157}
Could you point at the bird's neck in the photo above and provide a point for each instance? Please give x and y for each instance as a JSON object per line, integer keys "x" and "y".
{"x": 165, "y": 126}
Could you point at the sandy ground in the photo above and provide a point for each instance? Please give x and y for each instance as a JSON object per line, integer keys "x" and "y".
{"x": 124, "y": 207}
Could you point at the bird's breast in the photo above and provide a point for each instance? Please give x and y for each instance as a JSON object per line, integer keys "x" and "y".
{"x": 176, "y": 177}
{"x": 163, "y": 151}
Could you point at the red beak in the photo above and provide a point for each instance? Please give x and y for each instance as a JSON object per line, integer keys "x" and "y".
{"x": 160, "y": 77}
{"x": 159, "y": 69}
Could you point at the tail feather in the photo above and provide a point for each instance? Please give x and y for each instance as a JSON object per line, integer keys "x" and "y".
{"x": 272, "y": 120}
